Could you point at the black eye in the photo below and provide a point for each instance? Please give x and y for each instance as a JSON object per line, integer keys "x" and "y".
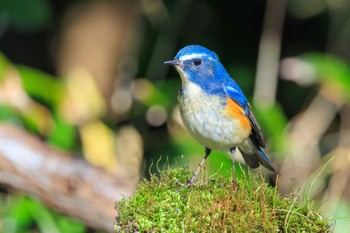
{"x": 197, "y": 62}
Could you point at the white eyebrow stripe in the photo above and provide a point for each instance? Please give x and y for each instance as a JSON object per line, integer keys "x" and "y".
{"x": 191, "y": 56}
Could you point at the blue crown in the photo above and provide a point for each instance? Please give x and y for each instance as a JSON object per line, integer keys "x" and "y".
{"x": 196, "y": 49}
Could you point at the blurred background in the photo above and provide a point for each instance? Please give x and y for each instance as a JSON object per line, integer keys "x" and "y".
{"x": 88, "y": 109}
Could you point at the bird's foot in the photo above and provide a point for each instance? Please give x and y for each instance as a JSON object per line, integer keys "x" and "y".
{"x": 189, "y": 183}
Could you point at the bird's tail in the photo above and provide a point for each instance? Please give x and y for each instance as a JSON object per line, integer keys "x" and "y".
{"x": 254, "y": 160}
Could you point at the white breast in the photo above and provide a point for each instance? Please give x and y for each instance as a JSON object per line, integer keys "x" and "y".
{"x": 206, "y": 120}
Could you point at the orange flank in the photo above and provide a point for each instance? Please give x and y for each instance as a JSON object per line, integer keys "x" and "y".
{"x": 235, "y": 111}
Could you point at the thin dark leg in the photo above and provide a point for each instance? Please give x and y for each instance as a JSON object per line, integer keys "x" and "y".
{"x": 193, "y": 178}
{"x": 233, "y": 151}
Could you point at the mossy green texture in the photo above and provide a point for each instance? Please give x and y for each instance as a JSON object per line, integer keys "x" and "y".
{"x": 217, "y": 204}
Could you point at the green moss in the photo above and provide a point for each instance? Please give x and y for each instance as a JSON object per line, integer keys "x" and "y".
{"x": 214, "y": 205}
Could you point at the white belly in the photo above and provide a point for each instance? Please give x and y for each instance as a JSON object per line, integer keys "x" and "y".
{"x": 206, "y": 120}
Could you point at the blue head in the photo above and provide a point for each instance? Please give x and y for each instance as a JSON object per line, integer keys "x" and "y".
{"x": 201, "y": 66}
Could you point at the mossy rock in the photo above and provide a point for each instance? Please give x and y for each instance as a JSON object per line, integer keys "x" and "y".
{"x": 161, "y": 204}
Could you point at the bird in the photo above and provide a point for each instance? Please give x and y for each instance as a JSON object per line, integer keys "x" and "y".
{"x": 214, "y": 109}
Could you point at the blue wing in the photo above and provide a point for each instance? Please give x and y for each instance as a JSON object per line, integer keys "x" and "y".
{"x": 253, "y": 161}
{"x": 236, "y": 94}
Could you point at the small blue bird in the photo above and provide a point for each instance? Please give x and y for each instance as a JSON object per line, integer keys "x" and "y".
{"x": 214, "y": 109}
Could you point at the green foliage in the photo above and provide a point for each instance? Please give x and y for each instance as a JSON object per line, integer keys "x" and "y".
{"x": 40, "y": 114}
{"x": 45, "y": 94}
{"x": 214, "y": 205}
{"x": 331, "y": 71}
{"x": 24, "y": 212}
{"x": 28, "y": 15}
{"x": 4, "y": 66}
{"x": 273, "y": 121}
{"x": 41, "y": 85}
{"x": 63, "y": 134}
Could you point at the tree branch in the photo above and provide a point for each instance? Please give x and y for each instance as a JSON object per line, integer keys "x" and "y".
{"x": 66, "y": 183}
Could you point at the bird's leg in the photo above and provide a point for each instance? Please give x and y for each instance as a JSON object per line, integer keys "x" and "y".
{"x": 233, "y": 151}
{"x": 193, "y": 178}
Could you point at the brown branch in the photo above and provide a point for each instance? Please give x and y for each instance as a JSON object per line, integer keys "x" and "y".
{"x": 66, "y": 183}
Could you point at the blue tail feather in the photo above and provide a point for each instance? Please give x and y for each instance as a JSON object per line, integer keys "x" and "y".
{"x": 254, "y": 160}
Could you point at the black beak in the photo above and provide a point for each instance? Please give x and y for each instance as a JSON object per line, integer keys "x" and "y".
{"x": 174, "y": 62}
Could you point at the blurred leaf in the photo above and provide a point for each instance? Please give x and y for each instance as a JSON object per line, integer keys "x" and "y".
{"x": 82, "y": 101}
{"x": 161, "y": 93}
{"x": 306, "y": 9}
{"x": 24, "y": 213}
{"x": 42, "y": 216}
{"x": 69, "y": 225}
{"x": 98, "y": 144}
{"x": 63, "y": 134}
{"x": 330, "y": 71}
{"x": 37, "y": 118}
{"x": 27, "y": 15}
{"x": 9, "y": 114}
{"x": 151, "y": 94}
{"x": 274, "y": 122}
{"x": 18, "y": 215}
{"x": 12, "y": 93}
{"x": 170, "y": 89}
{"x": 42, "y": 85}
{"x": 4, "y": 66}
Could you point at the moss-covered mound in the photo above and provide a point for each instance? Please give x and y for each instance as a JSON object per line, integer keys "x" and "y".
{"x": 219, "y": 205}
